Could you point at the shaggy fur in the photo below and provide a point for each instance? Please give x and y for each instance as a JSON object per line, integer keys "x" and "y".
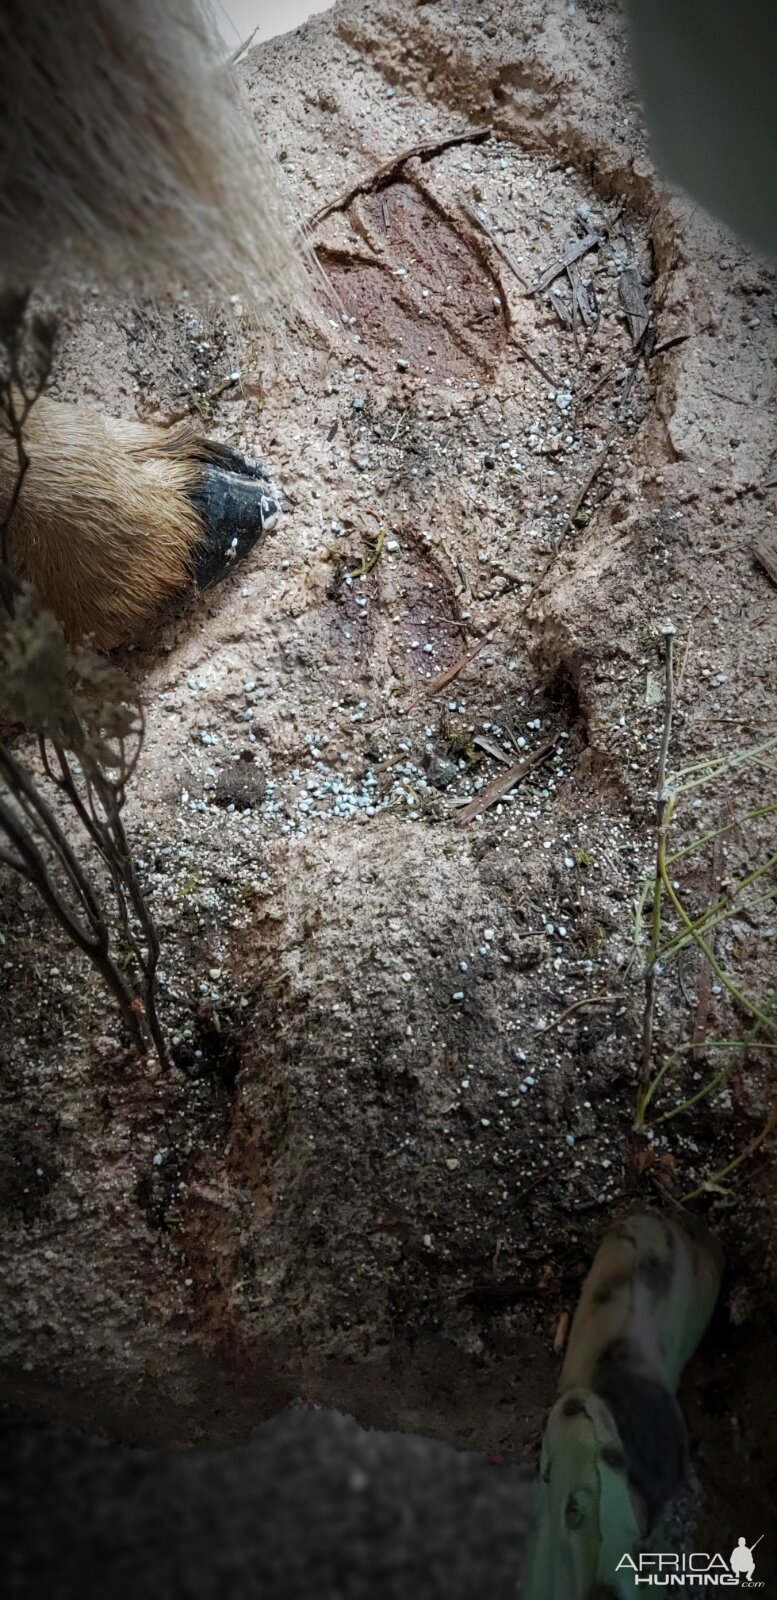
{"x": 125, "y": 152}
{"x": 105, "y": 528}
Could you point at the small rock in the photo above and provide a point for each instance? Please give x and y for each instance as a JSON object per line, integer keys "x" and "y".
{"x": 441, "y": 772}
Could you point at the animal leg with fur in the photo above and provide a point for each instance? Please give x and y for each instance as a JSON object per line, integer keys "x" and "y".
{"x": 116, "y": 517}
{"x": 126, "y": 155}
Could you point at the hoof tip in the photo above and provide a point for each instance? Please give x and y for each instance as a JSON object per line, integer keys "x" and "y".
{"x": 236, "y": 505}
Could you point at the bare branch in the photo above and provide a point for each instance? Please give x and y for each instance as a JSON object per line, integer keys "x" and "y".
{"x": 661, "y": 799}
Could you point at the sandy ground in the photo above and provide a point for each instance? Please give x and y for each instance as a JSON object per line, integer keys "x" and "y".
{"x": 410, "y": 1038}
{"x": 313, "y": 1506}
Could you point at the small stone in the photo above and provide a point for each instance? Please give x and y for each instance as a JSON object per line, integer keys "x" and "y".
{"x": 441, "y": 772}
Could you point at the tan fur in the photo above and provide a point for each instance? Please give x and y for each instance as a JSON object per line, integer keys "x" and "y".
{"x": 125, "y": 151}
{"x": 103, "y": 527}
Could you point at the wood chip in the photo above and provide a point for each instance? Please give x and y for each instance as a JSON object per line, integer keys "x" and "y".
{"x": 562, "y": 1332}
{"x": 504, "y": 783}
{"x": 572, "y": 252}
{"x": 582, "y": 302}
{"x": 632, "y": 296}
{"x": 765, "y": 552}
{"x": 491, "y": 748}
{"x": 562, "y": 310}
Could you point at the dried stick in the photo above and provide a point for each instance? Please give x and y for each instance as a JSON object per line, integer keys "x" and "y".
{"x": 474, "y": 216}
{"x": 41, "y": 817}
{"x": 454, "y": 669}
{"x": 32, "y": 866}
{"x": 668, "y": 632}
{"x": 526, "y": 355}
{"x": 111, "y": 840}
{"x": 585, "y": 1004}
{"x": 506, "y": 781}
{"x": 584, "y": 489}
{"x": 389, "y": 169}
{"x": 573, "y": 252}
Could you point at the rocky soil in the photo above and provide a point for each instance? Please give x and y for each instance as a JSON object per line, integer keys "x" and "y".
{"x": 407, "y": 1036}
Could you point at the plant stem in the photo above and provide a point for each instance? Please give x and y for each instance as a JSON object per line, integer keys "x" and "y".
{"x": 664, "y": 809}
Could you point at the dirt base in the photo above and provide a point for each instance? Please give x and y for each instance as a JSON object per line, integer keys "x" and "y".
{"x": 383, "y": 1167}
{"x": 310, "y": 1505}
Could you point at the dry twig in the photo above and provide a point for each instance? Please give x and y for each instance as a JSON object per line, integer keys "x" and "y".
{"x": 526, "y": 355}
{"x": 481, "y": 223}
{"x": 385, "y": 174}
{"x": 573, "y": 252}
{"x": 454, "y": 669}
{"x": 650, "y": 969}
{"x": 587, "y": 1003}
{"x": 499, "y": 787}
{"x": 585, "y": 488}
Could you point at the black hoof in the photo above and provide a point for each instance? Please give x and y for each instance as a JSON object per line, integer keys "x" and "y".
{"x": 236, "y": 503}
